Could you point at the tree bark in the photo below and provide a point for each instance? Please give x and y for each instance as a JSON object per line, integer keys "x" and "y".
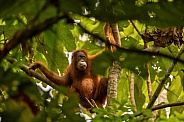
{"x": 114, "y": 74}
{"x": 115, "y": 69}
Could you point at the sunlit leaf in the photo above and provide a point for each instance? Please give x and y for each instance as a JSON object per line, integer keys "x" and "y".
{"x": 129, "y": 43}
{"x": 138, "y": 93}
{"x": 65, "y": 35}
{"x": 174, "y": 89}
{"x": 123, "y": 86}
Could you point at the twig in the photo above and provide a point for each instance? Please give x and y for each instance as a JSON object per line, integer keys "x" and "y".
{"x": 94, "y": 103}
{"x": 167, "y": 105}
{"x": 1, "y": 94}
{"x": 161, "y": 84}
{"x": 149, "y": 82}
{"x": 135, "y": 28}
{"x": 4, "y": 36}
{"x": 31, "y": 52}
{"x": 89, "y": 102}
{"x": 162, "y": 106}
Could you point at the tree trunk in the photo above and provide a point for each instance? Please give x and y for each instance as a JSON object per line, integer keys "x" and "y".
{"x": 115, "y": 69}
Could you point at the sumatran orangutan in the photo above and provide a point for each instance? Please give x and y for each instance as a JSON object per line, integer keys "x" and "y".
{"x": 79, "y": 78}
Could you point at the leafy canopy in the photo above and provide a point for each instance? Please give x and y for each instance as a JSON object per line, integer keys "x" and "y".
{"x": 48, "y": 30}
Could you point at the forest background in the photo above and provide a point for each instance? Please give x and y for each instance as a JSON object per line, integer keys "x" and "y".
{"x": 150, "y": 56}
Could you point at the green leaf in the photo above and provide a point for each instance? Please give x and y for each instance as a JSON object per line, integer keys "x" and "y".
{"x": 139, "y": 96}
{"x": 136, "y": 63}
{"x": 65, "y": 35}
{"x": 16, "y": 112}
{"x": 129, "y": 42}
{"x": 123, "y": 86}
{"x": 52, "y": 49}
{"x": 90, "y": 46}
{"x": 147, "y": 113}
{"x": 175, "y": 89}
{"x": 76, "y": 32}
{"x": 101, "y": 63}
{"x": 179, "y": 115}
{"x": 68, "y": 109}
{"x": 181, "y": 74}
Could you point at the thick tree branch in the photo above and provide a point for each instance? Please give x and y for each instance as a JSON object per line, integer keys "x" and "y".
{"x": 42, "y": 78}
{"x": 27, "y": 33}
{"x": 38, "y": 76}
{"x": 139, "y": 52}
{"x": 161, "y": 84}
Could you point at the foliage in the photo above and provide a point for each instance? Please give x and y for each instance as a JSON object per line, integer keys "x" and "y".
{"x": 49, "y": 30}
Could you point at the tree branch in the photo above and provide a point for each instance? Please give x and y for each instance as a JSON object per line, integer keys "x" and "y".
{"x": 113, "y": 77}
{"x": 115, "y": 31}
{"x": 167, "y": 105}
{"x": 132, "y": 97}
{"x": 149, "y": 87}
{"x": 135, "y": 28}
{"x": 26, "y": 33}
{"x": 161, "y": 84}
{"x": 38, "y": 76}
{"x": 139, "y": 52}
{"x": 149, "y": 82}
{"x": 163, "y": 106}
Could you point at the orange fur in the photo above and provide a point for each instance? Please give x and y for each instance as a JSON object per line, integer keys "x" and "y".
{"x": 85, "y": 83}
